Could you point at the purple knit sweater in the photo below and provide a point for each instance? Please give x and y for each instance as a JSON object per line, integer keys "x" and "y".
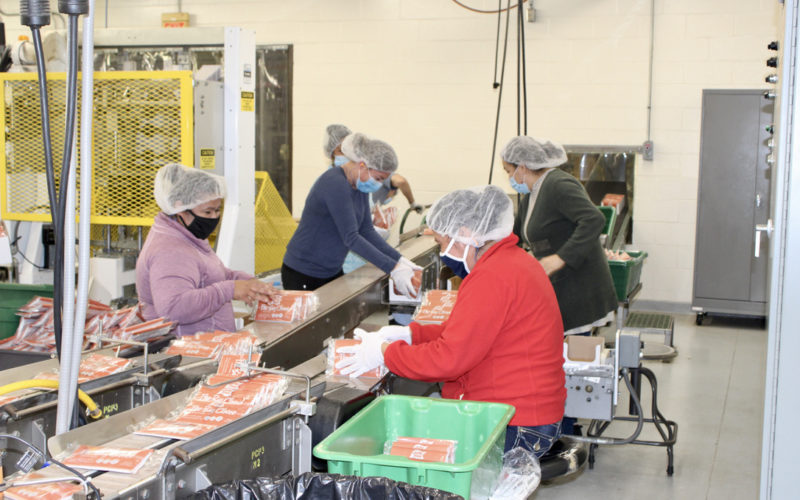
{"x": 181, "y": 278}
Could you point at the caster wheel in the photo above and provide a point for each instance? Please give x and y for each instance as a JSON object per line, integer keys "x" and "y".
{"x": 670, "y": 470}
{"x": 699, "y": 319}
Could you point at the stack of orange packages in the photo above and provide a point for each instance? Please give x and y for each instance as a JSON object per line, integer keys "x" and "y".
{"x": 92, "y": 367}
{"x": 287, "y": 306}
{"x": 384, "y": 217}
{"x": 436, "y": 306}
{"x": 423, "y": 449}
{"x": 36, "y": 331}
{"x": 614, "y": 200}
{"x": 334, "y": 356}
{"x": 105, "y": 458}
{"x": 55, "y": 490}
{"x": 212, "y": 344}
{"x": 211, "y": 407}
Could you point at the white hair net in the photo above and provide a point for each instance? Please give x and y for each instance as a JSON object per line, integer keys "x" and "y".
{"x": 534, "y": 154}
{"x": 473, "y": 216}
{"x": 178, "y": 188}
{"x": 334, "y": 135}
{"x": 376, "y": 154}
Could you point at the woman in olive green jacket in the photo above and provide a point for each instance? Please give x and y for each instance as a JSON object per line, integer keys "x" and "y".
{"x": 561, "y": 226}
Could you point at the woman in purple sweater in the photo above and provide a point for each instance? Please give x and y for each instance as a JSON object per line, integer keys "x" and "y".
{"x": 178, "y": 275}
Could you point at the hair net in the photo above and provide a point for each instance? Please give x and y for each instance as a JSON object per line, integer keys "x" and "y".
{"x": 533, "y": 153}
{"x": 334, "y": 135}
{"x": 375, "y": 154}
{"x": 473, "y": 216}
{"x": 178, "y": 188}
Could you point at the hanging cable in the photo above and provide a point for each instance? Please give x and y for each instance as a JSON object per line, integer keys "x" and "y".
{"x": 35, "y": 14}
{"x": 500, "y": 93}
{"x": 480, "y": 11}
{"x": 524, "y": 68}
{"x": 495, "y": 83}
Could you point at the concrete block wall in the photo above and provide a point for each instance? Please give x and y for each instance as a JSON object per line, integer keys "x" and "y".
{"x": 419, "y": 73}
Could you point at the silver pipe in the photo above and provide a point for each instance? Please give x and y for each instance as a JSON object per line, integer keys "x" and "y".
{"x": 70, "y": 359}
{"x": 650, "y": 67}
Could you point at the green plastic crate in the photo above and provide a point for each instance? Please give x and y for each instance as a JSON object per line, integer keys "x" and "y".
{"x": 610, "y": 213}
{"x": 356, "y": 448}
{"x": 12, "y": 296}
{"x": 627, "y": 273}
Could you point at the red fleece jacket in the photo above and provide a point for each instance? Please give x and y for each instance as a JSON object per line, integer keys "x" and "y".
{"x": 502, "y": 342}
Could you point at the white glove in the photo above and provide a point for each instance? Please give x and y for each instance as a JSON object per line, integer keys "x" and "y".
{"x": 410, "y": 264}
{"x": 391, "y": 333}
{"x": 402, "y": 274}
{"x": 416, "y": 207}
{"x": 365, "y": 357}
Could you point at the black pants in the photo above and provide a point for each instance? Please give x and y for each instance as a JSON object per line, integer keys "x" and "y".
{"x": 295, "y": 280}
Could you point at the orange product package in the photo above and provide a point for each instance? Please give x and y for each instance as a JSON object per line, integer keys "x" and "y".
{"x": 174, "y": 430}
{"x": 423, "y": 449}
{"x": 126, "y": 460}
{"x": 334, "y": 356}
{"x": 61, "y": 490}
{"x": 436, "y": 306}
{"x": 384, "y": 217}
{"x": 194, "y": 348}
{"x": 281, "y": 308}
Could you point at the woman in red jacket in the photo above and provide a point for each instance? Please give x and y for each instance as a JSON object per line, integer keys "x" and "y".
{"x": 503, "y": 340}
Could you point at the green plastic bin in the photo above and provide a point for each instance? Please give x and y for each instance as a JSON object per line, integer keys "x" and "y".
{"x": 610, "y": 213}
{"x": 12, "y": 297}
{"x": 356, "y": 448}
{"x": 627, "y": 273}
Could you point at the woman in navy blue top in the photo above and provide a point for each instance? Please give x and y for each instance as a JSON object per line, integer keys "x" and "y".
{"x": 337, "y": 218}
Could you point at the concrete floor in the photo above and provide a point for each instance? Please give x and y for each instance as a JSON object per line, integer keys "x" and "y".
{"x": 714, "y": 390}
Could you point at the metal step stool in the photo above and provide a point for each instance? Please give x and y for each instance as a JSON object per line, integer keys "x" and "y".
{"x": 662, "y": 324}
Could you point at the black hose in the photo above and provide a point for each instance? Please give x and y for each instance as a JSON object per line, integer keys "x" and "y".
{"x": 500, "y": 94}
{"x": 51, "y": 176}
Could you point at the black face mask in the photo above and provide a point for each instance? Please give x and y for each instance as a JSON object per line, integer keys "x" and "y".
{"x": 201, "y": 227}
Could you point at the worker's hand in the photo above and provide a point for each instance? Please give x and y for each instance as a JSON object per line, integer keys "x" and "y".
{"x": 252, "y": 290}
{"x": 402, "y": 274}
{"x": 552, "y": 263}
{"x": 417, "y": 207}
{"x": 410, "y": 264}
{"x": 393, "y": 333}
{"x": 365, "y": 357}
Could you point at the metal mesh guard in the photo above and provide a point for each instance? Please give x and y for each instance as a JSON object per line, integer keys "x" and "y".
{"x": 274, "y": 225}
{"x": 142, "y": 120}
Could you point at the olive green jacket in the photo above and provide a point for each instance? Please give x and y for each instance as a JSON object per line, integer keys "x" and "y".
{"x": 565, "y": 222}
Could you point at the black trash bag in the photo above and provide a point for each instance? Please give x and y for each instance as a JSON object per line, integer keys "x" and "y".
{"x": 313, "y": 486}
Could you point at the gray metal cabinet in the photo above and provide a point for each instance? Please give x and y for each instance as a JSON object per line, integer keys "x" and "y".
{"x": 733, "y": 196}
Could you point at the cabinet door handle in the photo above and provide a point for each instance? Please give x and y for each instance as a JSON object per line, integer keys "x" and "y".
{"x": 762, "y": 228}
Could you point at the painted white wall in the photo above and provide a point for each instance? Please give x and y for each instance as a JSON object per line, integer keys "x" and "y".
{"x": 418, "y": 74}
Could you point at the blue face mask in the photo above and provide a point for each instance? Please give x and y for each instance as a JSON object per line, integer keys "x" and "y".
{"x": 369, "y": 186}
{"x": 339, "y": 161}
{"x": 457, "y": 265}
{"x": 519, "y": 187}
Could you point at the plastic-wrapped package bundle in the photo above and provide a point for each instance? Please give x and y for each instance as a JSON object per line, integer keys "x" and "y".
{"x": 334, "y": 356}
{"x": 212, "y": 344}
{"x": 422, "y": 449}
{"x": 287, "y": 306}
{"x": 218, "y": 402}
{"x": 436, "y": 306}
{"x": 520, "y": 476}
{"x": 384, "y": 217}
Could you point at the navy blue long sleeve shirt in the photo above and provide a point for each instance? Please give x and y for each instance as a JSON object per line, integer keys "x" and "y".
{"x": 336, "y": 218}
